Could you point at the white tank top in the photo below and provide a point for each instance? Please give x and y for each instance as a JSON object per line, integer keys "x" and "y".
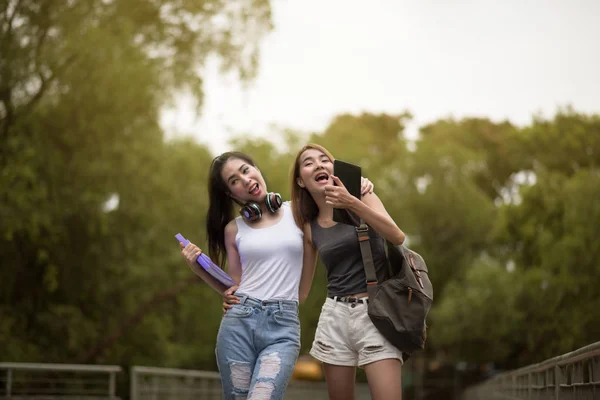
{"x": 271, "y": 258}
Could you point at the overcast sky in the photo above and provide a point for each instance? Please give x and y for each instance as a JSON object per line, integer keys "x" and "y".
{"x": 505, "y": 59}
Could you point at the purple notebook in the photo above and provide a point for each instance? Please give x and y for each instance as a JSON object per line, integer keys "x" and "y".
{"x": 209, "y": 266}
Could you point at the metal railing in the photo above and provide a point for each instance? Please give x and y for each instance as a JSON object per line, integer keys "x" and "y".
{"x": 58, "y": 381}
{"x": 574, "y": 375}
{"x": 150, "y": 383}
{"x": 20, "y": 381}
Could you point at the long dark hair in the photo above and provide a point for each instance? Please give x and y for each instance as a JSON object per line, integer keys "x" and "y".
{"x": 304, "y": 206}
{"x": 220, "y": 206}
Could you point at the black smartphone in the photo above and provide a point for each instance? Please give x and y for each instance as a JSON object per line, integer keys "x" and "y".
{"x": 350, "y": 175}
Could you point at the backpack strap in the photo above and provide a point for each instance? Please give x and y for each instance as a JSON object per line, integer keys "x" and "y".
{"x": 365, "y": 249}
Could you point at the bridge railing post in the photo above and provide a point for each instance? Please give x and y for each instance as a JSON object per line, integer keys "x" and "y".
{"x": 9, "y": 376}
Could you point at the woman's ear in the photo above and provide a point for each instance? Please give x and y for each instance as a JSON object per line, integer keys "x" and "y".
{"x": 300, "y": 182}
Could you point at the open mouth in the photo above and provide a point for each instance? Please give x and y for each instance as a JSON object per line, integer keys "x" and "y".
{"x": 322, "y": 177}
{"x": 254, "y": 190}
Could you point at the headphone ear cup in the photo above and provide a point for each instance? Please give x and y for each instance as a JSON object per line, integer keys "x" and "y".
{"x": 251, "y": 211}
{"x": 273, "y": 202}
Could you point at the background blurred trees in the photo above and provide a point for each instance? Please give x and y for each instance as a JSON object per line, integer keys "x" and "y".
{"x": 91, "y": 195}
{"x": 534, "y": 293}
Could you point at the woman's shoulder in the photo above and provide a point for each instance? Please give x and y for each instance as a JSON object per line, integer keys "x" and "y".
{"x": 287, "y": 206}
{"x": 232, "y": 227}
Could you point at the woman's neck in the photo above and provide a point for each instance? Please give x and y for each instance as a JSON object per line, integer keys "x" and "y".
{"x": 263, "y": 207}
{"x": 325, "y": 210}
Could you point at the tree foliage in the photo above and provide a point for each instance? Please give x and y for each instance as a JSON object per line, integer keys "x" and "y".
{"x": 82, "y": 84}
{"x": 91, "y": 195}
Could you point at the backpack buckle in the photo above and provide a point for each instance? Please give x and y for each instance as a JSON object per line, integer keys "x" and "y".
{"x": 362, "y": 228}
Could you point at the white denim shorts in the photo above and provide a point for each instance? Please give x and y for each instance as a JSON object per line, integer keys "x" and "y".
{"x": 346, "y": 336}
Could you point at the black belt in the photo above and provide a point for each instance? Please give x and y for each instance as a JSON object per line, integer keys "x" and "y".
{"x": 350, "y": 299}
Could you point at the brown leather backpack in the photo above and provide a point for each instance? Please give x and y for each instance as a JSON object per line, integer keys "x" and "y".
{"x": 399, "y": 305}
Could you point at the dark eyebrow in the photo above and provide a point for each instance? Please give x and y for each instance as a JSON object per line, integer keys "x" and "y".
{"x": 239, "y": 169}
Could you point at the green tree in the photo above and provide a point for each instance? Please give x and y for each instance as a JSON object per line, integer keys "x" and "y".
{"x": 479, "y": 318}
{"x": 544, "y": 231}
{"x": 552, "y": 236}
{"x": 451, "y": 204}
{"x": 81, "y": 87}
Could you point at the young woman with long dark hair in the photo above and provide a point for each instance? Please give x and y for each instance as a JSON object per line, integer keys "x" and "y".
{"x": 265, "y": 251}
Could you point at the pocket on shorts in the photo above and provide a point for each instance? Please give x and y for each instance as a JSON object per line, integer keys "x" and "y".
{"x": 238, "y": 311}
{"x": 286, "y": 317}
{"x": 328, "y": 306}
{"x": 327, "y": 312}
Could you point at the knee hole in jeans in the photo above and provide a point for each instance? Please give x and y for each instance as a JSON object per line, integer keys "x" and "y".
{"x": 270, "y": 365}
{"x": 241, "y": 375}
{"x": 262, "y": 391}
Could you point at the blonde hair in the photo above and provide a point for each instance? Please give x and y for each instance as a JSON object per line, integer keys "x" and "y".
{"x": 304, "y": 207}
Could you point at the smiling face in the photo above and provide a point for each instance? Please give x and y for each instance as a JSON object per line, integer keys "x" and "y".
{"x": 244, "y": 181}
{"x": 315, "y": 168}
{"x": 311, "y": 173}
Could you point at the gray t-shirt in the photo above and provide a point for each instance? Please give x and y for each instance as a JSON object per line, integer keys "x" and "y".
{"x": 339, "y": 250}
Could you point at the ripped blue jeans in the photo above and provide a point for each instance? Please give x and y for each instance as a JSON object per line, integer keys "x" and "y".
{"x": 257, "y": 347}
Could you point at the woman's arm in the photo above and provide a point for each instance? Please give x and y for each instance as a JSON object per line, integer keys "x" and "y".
{"x": 191, "y": 252}
{"x": 309, "y": 262}
{"x": 373, "y": 212}
{"x": 369, "y": 208}
{"x": 234, "y": 263}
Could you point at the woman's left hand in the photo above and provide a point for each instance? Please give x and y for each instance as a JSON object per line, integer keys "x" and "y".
{"x": 338, "y": 196}
{"x": 229, "y": 299}
{"x": 366, "y": 186}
